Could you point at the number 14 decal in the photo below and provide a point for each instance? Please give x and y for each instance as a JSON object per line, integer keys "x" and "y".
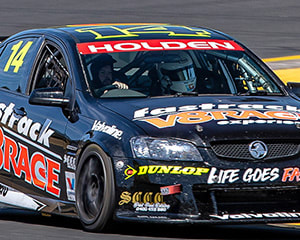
{"x": 17, "y": 56}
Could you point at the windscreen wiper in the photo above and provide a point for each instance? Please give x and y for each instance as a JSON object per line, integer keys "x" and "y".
{"x": 182, "y": 94}
{"x": 259, "y": 94}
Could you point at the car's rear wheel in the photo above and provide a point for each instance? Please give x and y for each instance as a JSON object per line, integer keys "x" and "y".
{"x": 95, "y": 189}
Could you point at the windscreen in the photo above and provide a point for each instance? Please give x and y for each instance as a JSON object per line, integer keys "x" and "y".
{"x": 179, "y": 67}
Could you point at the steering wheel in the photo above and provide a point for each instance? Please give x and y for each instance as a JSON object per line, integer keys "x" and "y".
{"x": 100, "y": 91}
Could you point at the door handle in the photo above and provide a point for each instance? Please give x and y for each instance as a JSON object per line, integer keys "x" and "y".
{"x": 20, "y": 111}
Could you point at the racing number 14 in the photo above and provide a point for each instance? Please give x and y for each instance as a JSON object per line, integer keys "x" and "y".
{"x": 17, "y": 56}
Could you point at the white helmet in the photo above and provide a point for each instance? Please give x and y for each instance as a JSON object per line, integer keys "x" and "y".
{"x": 179, "y": 75}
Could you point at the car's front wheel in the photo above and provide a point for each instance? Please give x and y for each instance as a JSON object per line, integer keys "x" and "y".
{"x": 95, "y": 189}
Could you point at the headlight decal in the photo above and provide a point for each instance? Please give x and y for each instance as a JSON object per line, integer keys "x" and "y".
{"x": 164, "y": 149}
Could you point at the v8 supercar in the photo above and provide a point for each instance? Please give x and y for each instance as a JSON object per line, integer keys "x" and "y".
{"x": 193, "y": 127}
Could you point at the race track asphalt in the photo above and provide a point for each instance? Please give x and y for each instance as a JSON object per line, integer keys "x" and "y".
{"x": 23, "y": 225}
{"x": 269, "y": 27}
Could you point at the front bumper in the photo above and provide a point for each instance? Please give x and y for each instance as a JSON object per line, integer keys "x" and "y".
{"x": 139, "y": 196}
{"x": 221, "y": 206}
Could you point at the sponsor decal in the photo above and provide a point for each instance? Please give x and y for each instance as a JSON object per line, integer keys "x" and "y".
{"x": 257, "y": 215}
{"x": 70, "y": 183}
{"x": 70, "y": 161}
{"x": 110, "y": 130}
{"x": 19, "y": 199}
{"x": 25, "y": 126}
{"x": 161, "y": 169}
{"x": 156, "y": 45}
{"x": 17, "y": 56}
{"x": 250, "y": 175}
{"x": 146, "y": 112}
{"x": 72, "y": 148}
{"x": 129, "y": 172}
{"x": 247, "y": 122}
{"x": 291, "y": 174}
{"x": 36, "y": 169}
{"x": 243, "y": 114}
{"x": 136, "y": 30}
{"x": 3, "y": 190}
{"x": 152, "y": 217}
{"x": 169, "y": 190}
{"x": 145, "y": 202}
{"x": 151, "y": 207}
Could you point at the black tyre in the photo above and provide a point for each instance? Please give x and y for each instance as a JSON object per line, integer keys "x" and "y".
{"x": 95, "y": 189}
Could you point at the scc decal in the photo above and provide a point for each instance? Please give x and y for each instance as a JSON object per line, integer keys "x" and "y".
{"x": 241, "y": 117}
{"x": 37, "y": 169}
{"x": 250, "y": 175}
{"x": 151, "y": 207}
{"x": 70, "y": 160}
{"x": 156, "y": 45}
{"x": 146, "y": 202}
{"x": 127, "y": 197}
{"x": 158, "y": 169}
{"x": 104, "y": 32}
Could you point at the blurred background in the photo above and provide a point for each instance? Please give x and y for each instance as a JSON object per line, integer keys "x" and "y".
{"x": 269, "y": 27}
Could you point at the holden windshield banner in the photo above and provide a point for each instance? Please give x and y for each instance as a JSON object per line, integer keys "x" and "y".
{"x": 156, "y": 45}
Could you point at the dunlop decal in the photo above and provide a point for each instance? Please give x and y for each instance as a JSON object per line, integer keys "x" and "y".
{"x": 161, "y": 169}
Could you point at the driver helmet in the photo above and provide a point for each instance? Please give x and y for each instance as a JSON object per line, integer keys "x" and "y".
{"x": 179, "y": 75}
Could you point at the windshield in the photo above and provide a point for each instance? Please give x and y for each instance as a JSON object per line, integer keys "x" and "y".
{"x": 177, "y": 72}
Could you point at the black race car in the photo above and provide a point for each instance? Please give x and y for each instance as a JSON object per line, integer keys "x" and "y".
{"x": 149, "y": 123}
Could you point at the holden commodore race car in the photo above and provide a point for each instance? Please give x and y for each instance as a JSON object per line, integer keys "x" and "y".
{"x": 189, "y": 127}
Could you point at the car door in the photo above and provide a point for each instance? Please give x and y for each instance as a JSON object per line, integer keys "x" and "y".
{"x": 32, "y": 135}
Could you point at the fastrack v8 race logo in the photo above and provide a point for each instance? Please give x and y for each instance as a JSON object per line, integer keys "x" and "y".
{"x": 223, "y": 114}
{"x": 15, "y": 157}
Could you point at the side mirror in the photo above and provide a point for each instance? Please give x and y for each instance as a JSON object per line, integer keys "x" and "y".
{"x": 294, "y": 87}
{"x": 48, "y": 97}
